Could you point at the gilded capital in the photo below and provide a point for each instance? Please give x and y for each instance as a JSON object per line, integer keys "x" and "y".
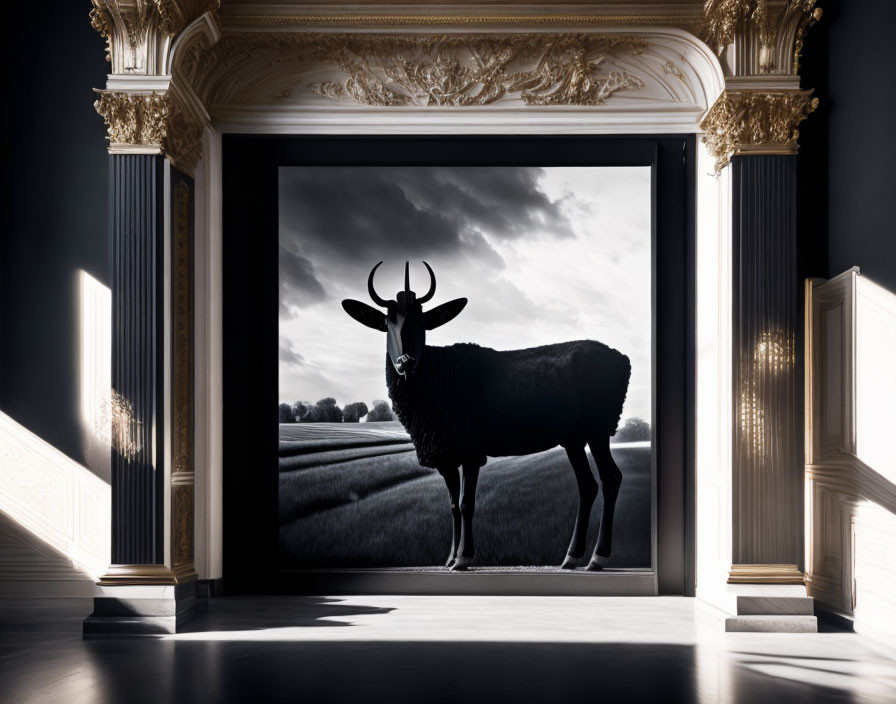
{"x": 757, "y": 122}
{"x": 154, "y": 123}
{"x": 771, "y": 34}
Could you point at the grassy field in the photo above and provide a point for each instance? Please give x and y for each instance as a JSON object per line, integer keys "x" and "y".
{"x": 353, "y": 495}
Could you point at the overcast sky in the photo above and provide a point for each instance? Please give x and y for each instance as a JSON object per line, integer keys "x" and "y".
{"x": 544, "y": 255}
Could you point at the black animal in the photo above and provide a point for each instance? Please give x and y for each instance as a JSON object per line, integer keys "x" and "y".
{"x": 463, "y": 403}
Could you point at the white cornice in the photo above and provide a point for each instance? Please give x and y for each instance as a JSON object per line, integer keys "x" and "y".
{"x": 268, "y": 119}
{"x": 126, "y": 83}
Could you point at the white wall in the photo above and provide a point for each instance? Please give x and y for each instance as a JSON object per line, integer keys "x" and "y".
{"x": 850, "y": 460}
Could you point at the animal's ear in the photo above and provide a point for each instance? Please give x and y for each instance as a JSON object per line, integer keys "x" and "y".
{"x": 365, "y": 314}
{"x": 443, "y": 313}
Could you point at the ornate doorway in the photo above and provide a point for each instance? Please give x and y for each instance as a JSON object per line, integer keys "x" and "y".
{"x": 184, "y": 74}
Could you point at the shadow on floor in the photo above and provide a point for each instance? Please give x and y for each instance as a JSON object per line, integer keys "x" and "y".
{"x": 254, "y": 614}
{"x": 51, "y": 663}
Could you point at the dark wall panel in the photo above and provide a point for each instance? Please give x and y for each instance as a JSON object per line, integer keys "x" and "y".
{"x": 55, "y": 212}
{"x": 848, "y": 147}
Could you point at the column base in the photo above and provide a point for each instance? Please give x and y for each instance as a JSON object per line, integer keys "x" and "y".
{"x": 765, "y": 574}
{"x": 122, "y": 575}
{"x": 779, "y": 604}
{"x": 132, "y": 600}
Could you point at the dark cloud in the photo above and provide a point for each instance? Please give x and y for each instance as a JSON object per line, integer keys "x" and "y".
{"x": 289, "y": 355}
{"x": 364, "y": 214}
{"x": 298, "y": 284}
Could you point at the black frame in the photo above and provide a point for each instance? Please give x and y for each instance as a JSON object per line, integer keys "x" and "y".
{"x": 250, "y": 322}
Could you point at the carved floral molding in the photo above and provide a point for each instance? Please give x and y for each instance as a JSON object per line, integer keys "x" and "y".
{"x": 462, "y": 70}
{"x": 755, "y": 121}
{"x": 429, "y": 70}
{"x": 153, "y": 121}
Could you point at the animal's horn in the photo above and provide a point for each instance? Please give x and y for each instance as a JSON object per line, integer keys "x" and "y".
{"x": 373, "y": 296}
{"x": 432, "y": 285}
{"x": 407, "y": 278}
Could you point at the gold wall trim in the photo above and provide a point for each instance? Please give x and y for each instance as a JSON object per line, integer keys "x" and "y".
{"x": 181, "y": 328}
{"x": 757, "y": 122}
{"x": 182, "y": 510}
{"x": 182, "y": 377}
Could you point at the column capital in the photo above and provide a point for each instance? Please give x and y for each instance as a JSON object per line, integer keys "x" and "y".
{"x": 758, "y": 36}
{"x": 755, "y": 122}
{"x": 139, "y": 33}
{"x": 151, "y": 122}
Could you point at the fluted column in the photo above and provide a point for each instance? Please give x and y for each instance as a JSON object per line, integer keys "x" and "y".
{"x": 767, "y": 466}
{"x": 135, "y": 212}
{"x": 151, "y": 231}
{"x": 155, "y": 124}
{"x": 753, "y": 132}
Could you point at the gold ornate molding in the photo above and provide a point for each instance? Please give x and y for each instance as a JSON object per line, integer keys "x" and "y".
{"x": 182, "y": 511}
{"x": 779, "y": 27}
{"x": 177, "y": 14}
{"x": 759, "y": 122}
{"x": 133, "y": 119}
{"x": 154, "y": 122}
{"x": 182, "y": 143}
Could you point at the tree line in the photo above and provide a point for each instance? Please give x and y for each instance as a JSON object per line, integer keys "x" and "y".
{"x": 326, "y": 411}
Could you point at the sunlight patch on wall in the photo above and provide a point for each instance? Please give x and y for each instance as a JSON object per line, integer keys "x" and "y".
{"x": 875, "y": 377}
{"x": 107, "y": 417}
{"x": 53, "y": 497}
{"x": 95, "y": 371}
{"x": 874, "y": 545}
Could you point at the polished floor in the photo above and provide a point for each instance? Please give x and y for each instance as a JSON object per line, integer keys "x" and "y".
{"x": 435, "y": 649}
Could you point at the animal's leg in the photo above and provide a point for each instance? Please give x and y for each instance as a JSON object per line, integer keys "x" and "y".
{"x": 451, "y": 475}
{"x": 587, "y": 493}
{"x": 610, "y": 480}
{"x": 467, "y": 549}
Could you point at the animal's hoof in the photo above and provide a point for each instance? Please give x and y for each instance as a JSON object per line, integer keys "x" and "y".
{"x": 597, "y": 563}
{"x": 461, "y": 563}
{"x": 450, "y": 561}
{"x": 570, "y": 563}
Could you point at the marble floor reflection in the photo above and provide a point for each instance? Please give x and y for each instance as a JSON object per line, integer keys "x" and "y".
{"x": 435, "y": 649}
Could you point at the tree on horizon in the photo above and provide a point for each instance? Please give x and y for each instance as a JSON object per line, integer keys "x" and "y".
{"x": 285, "y": 414}
{"x": 381, "y": 412}
{"x": 353, "y": 412}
